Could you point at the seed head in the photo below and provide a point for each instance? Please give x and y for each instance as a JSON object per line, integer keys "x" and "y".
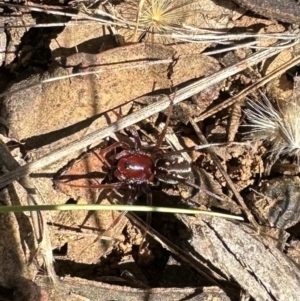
{"x": 162, "y": 15}
{"x": 159, "y": 16}
{"x": 280, "y": 127}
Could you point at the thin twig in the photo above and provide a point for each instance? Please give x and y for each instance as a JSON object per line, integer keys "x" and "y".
{"x": 137, "y": 19}
{"x": 188, "y": 36}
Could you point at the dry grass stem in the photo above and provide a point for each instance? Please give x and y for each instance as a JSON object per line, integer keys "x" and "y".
{"x": 231, "y": 48}
{"x": 138, "y": 15}
{"x": 60, "y": 24}
{"x": 193, "y": 34}
{"x": 130, "y": 65}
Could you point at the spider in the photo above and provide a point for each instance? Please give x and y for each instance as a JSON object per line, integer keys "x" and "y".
{"x": 135, "y": 168}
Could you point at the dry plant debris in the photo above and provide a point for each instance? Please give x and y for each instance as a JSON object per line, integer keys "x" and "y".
{"x": 280, "y": 127}
{"x": 104, "y": 70}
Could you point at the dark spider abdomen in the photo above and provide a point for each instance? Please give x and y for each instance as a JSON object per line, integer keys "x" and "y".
{"x": 167, "y": 169}
{"x": 136, "y": 168}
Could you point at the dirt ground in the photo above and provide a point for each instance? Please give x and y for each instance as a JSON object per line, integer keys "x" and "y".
{"x": 76, "y": 78}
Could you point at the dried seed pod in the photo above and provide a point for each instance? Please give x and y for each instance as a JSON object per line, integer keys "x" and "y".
{"x": 280, "y": 127}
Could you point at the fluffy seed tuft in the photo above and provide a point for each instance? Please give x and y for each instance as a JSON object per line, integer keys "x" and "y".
{"x": 162, "y": 15}
{"x": 280, "y": 127}
{"x": 156, "y": 17}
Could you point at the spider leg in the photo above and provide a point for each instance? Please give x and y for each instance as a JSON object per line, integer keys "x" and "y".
{"x": 103, "y": 152}
{"x": 168, "y": 178}
{"x": 114, "y": 146}
{"x": 99, "y": 186}
{"x": 130, "y": 201}
{"x": 164, "y": 131}
{"x": 101, "y": 158}
{"x": 136, "y": 137}
{"x": 148, "y": 192}
{"x": 133, "y": 132}
{"x": 124, "y": 153}
{"x": 96, "y": 186}
{"x": 197, "y": 147}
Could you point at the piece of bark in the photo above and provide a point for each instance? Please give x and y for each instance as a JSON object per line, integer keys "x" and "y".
{"x": 241, "y": 255}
